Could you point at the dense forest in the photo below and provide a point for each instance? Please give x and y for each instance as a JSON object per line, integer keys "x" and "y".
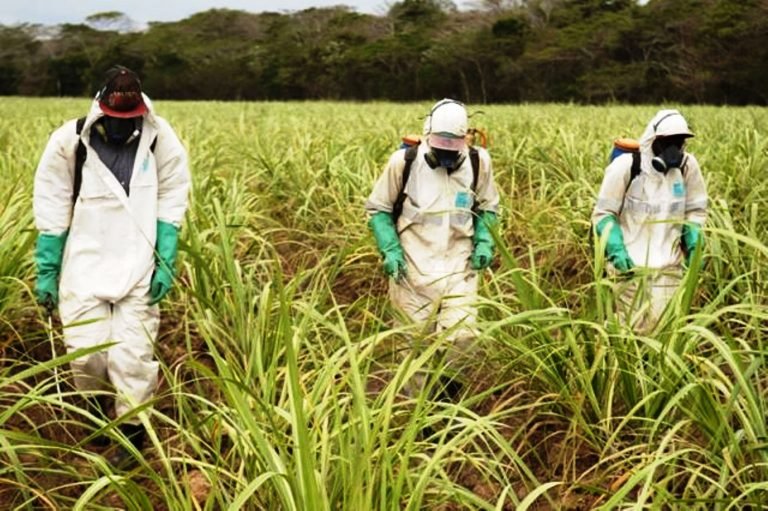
{"x": 586, "y": 51}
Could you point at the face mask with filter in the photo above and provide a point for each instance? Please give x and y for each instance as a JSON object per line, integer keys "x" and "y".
{"x": 668, "y": 153}
{"x": 119, "y": 131}
{"x": 449, "y": 160}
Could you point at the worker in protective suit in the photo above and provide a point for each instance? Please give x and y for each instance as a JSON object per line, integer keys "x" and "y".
{"x": 652, "y": 224}
{"x": 434, "y": 248}
{"x": 107, "y": 242}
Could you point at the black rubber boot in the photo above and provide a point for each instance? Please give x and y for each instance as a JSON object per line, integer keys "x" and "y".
{"x": 99, "y": 406}
{"x": 449, "y": 390}
{"x": 120, "y": 457}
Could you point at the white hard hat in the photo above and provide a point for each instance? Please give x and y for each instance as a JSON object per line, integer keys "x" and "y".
{"x": 673, "y": 123}
{"x": 447, "y": 125}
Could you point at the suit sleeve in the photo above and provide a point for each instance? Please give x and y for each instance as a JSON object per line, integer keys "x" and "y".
{"x": 486, "y": 194}
{"x": 696, "y": 198}
{"x": 387, "y": 187}
{"x": 54, "y": 182}
{"x": 610, "y": 198}
{"x": 173, "y": 178}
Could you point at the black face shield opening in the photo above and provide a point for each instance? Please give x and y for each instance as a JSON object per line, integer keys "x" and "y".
{"x": 118, "y": 130}
{"x": 668, "y": 152}
{"x": 449, "y": 160}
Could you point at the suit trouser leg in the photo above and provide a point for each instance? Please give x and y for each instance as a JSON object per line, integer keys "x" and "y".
{"x": 642, "y": 300}
{"x": 448, "y": 307}
{"x": 87, "y": 323}
{"x": 131, "y": 367}
{"x": 458, "y": 318}
{"x": 419, "y": 309}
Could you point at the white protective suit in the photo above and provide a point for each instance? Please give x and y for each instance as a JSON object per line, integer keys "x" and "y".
{"x": 108, "y": 258}
{"x": 651, "y": 213}
{"x": 435, "y": 230}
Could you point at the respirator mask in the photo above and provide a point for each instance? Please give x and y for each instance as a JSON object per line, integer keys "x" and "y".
{"x": 449, "y": 160}
{"x": 668, "y": 153}
{"x": 119, "y": 131}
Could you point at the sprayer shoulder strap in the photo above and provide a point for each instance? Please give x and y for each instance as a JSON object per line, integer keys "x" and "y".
{"x": 410, "y": 155}
{"x": 474, "y": 159}
{"x": 397, "y": 207}
{"x": 80, "y": 155}
{"x": 634, "y": 170}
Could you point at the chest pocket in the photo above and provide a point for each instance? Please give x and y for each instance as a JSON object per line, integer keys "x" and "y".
{"x": 650, "y": 200}
{"x": 462, "y": 201}
{"x": 93, "y": 187}
{"x": 145, "y": 171}
{"x": 423, "y": 193}
{"x": 677, "y": 200}
{"x": 461, "y": 215}
{"x": 635, "y": 202}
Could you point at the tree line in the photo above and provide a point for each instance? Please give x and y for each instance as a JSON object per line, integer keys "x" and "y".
{"x": 586, "y": 51}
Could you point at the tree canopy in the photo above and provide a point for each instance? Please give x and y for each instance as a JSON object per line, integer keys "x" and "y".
{"x": 590, "y": 51}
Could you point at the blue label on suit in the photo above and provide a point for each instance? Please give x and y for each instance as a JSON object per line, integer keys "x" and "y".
{"x": 463, "y": 200}
{"x": 678, "y": 189}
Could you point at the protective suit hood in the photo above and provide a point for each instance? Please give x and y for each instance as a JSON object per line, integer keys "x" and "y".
{"x": 665, "y": 123}
{"x": 446, "y": 125}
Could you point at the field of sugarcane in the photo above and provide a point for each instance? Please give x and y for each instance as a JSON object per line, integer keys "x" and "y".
{"x": 279, "y": 388}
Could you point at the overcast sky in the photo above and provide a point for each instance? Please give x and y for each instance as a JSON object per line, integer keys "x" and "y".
{"x": 51, "y": 12}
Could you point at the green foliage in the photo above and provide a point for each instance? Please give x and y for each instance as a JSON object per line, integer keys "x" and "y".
{"x": 418, "y": 15}
{"x": 16, "y": 45}
{"x": 277, "y": 389}
{"x": 540, "y": 50}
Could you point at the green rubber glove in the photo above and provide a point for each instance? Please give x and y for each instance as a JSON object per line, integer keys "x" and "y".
{"x": 615, "y": 250}
{"x": 482, "y": 253}
{"x": 49, "y": 252}
{"x": 384, "y": 231}
{"x": 692, "y": 240}
{"x": 166, "y": 248}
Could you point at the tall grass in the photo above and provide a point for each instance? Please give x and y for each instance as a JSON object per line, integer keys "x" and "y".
{"x": 279, "y": 390}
